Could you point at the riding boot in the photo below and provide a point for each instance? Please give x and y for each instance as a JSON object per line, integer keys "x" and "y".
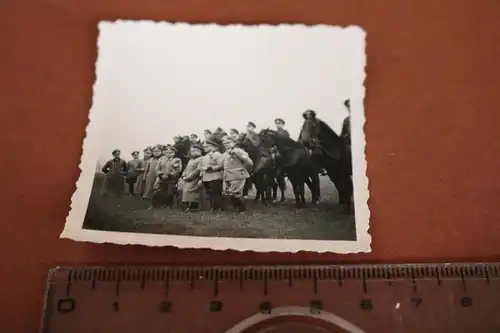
{"x": 243, "y": 207}
{"x": 233, "y": 202}
{"x": 240, "y": 205}
{"x": 217, "y": 204}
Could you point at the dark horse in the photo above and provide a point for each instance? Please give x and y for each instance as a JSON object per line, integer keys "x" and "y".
{"x": 297, "y": 163}
{"x": 263, "y": 172}
{"x": 329, "y": 152}
{"x": 183, "y": 147}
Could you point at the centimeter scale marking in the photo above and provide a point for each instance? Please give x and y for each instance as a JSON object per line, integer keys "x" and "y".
{"x": 383, "y": 297}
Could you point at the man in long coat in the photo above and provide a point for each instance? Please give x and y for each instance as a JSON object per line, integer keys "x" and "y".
{"x": 115, "y": 170}
{"x": 134, "y": 167}
{"x": 191, "y": 179}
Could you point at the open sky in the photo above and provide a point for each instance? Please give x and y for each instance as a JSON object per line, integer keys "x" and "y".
{"x": 158, "y": 80}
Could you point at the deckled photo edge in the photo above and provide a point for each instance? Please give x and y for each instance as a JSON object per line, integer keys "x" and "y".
{"x": 90, "y": 151}
{"x": 73, "y": 227}
{"x": 353, "y": 27}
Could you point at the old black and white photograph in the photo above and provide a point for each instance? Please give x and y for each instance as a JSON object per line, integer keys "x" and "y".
{"x": 244, "y": 137}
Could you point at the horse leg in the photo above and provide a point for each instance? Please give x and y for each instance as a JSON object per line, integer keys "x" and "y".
{"x": 258, "y": 194}
{"x": 309, "y": 184}
{"x": 312, "y": 187}
{"x": 280, "y": 183}
{"x": 296, "y": 192}
{"x": 302, "y": 193}
{"x": 263, "y": 189}
{"x": 265, "y": 198}
{"x": 256, "y": 182}
{"x": 344, "y": 186}
{"x": 275, "y": 189}
{"x": 315, "y": 190}
{"x": 299, "y": 186}
{"x": 246, "y": 188}
{"x": 270, "y": 186}
{"x": 267, "y": 195}
{"x": 282, "y": 186}
{"x": 295, "y": 188}
{"x": 349, "y": 193}
{"x": 315, "y": 181}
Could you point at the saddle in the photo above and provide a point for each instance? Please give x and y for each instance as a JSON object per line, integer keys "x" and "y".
{"x": 315, "y": 148}
{"x": 319, "y": 150}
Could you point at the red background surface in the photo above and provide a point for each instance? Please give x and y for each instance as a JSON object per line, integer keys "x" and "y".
{"x": 433, "y": 143}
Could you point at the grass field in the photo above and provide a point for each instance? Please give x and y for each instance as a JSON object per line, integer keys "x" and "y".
{"x": 279, "y": 221}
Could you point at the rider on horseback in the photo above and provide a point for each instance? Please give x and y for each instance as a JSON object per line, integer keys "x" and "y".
{"x": 314, "y": 145}
{"x": 346, "y": 125}
{"x": 251, "y": 134}
{"x": 280, "y": 130}
{"x": 275, "y": 154}
{"x": 346, "y": 133}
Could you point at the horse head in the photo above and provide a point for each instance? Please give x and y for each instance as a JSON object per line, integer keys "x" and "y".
{"x": 219, "y": 131}
{"x": 242, "y": 138}
{"x": 183, "y": 146}
{"x": 267, "y": 138}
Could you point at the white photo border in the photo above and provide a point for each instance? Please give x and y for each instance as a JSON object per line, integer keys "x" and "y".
{"x": 73, "y": 228}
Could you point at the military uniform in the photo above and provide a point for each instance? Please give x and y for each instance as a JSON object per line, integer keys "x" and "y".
{"x": 346, "y": 131}
{"x": 115, "y": 170}
{"x": 191, "y": 190}
{"x": 150, "y": 177}
{"x": 236, "y": 164}
{"x": 346, "y": 136}
{"x": 283, "y": 132}
{"x": 134, "y": 166}
{"x": 253, "y": 137}
{"x": 211, "y": 176}
{"x": 167, "y": 172}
